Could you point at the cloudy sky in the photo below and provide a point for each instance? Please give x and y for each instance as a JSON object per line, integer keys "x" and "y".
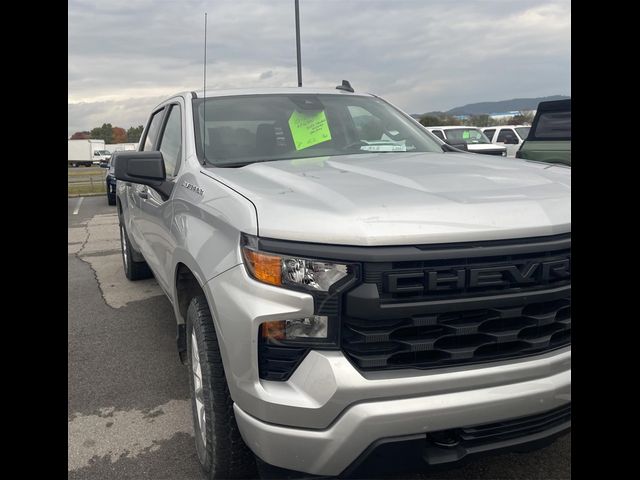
{"x": 423, "y": 55}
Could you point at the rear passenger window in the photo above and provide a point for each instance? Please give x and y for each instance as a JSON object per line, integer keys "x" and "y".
{"x": 171, "y": 141}
{"x": 554, "y": 125}
{"x": 438, "y": 133}
{"x": 489, "y": 133}
{"x": 152, "y": 131}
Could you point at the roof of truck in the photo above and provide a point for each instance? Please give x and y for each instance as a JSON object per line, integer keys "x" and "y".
{"x": 281, "y": 90}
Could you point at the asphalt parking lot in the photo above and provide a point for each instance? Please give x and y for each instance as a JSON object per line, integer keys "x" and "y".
{"x": 128, "y": 407}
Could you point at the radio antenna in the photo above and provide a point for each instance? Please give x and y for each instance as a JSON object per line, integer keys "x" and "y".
{"x": 298, "y": 44}
{"x": 204, "y": 82}
{"x": 204, "y": 89}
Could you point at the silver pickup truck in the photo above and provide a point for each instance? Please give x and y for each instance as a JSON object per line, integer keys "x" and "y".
{"x": 349, "y": 290}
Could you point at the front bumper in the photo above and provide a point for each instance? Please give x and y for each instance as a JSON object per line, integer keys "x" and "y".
{"x": 332, "y": 450}
{"x": 328, "y": 413}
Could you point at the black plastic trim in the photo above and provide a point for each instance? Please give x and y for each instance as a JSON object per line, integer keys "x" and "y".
{"x": 181, "y": 342}
{"x": 420, "y": 452}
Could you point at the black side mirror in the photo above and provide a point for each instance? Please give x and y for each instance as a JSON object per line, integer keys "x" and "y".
{"x": 459, "y": 144}
{"x": 143, "y": 168}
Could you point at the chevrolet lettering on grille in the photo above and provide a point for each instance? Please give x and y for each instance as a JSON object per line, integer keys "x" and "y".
{"x": 499, "y": 276}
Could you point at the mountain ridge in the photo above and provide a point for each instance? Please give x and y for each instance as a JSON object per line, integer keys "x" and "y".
{"x": 499, "y": 106}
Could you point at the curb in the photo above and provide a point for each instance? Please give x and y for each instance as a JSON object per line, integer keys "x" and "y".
{"x": 74, "y": 195}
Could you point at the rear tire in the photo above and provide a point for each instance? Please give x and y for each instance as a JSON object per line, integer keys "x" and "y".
{"x": 111, "y": 198}
{"x": 221, "y": 450}
{"x": 133, "y": 270}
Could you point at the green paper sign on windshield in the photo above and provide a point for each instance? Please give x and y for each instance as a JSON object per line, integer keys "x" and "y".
{"x": 309, "y": 130}
{"x": 465, "y": 134}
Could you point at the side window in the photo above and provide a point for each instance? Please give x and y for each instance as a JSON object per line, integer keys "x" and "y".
{"x": 505, "y": 133}
{"x": 438, "y": 133}
{"x": 554, "y": 125}
{"x": 489, "y": 133}
{"x": 152, "y": 131}
{"x": 171, "y": 141}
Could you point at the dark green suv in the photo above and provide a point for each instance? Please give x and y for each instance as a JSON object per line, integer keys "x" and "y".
{"x": 550, "y": 137}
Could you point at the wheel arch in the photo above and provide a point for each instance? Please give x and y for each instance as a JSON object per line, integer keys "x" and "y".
{"x": 188, "y": 282}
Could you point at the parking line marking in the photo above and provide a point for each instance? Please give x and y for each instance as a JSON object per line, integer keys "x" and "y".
{"x": 75, "y": 212}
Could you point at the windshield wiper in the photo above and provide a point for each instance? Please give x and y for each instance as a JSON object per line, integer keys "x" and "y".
{"x": 230, "y": 164}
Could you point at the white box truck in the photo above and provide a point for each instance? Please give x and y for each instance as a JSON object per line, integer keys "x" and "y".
{"x": 119, "y": 147}
{"x": 84, "y": 152}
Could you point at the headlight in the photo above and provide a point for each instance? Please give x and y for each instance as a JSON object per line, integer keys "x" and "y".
{"x": 297, "y": 272}
{"x": 283, "y": 343}
{"x": 315, "y": 327}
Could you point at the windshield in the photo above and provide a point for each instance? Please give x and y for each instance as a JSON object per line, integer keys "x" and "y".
{"x": 523, "y": 132}
{"x": 467, "y": 135}
{"x": 239, "y": 130}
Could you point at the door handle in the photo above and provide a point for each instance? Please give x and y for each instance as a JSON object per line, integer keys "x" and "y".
{"x": 143, "y": 194}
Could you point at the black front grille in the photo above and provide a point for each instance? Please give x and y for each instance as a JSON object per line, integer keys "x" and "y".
{"x": 397, "y": 319}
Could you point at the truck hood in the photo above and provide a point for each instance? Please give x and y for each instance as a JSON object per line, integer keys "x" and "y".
{"x": 404, "y": 198}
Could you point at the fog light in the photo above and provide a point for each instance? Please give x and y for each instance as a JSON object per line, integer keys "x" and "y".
{"x": 315, "y": 326}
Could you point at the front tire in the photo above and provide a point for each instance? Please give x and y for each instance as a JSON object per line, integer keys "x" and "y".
{"x": 221, "y": 450}
{"x": 133, "y": 270}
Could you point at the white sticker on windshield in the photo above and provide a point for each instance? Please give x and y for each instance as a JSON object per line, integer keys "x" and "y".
{"x": 384, "y": 146}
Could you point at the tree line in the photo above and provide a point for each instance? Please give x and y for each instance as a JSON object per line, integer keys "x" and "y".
{"x": 433, "y": 120}
{"x": 111, "y": 134}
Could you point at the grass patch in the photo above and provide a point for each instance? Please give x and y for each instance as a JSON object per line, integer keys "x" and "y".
{"x": 84, "y": 189}
{"x": 84, "y": 171}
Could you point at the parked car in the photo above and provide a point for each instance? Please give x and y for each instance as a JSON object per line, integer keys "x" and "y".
{"x": 550, "y": 137}
{"x": 349, "y": 292}
{"x": 475, "y": 140}
{"x": 110, "y": 179}
{"x": 101, "y": 156}
{"x": 510, "y": 136}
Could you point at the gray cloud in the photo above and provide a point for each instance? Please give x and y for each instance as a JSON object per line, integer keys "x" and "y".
{"x": 125, "y": 56}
